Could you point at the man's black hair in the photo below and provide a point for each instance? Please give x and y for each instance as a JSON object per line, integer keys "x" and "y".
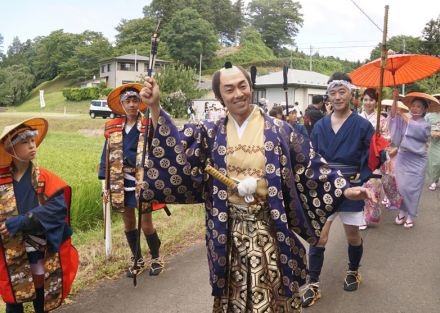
{"x": 339, "y": 76}
{"x": 216, "y": 82}
{"x": 316, "y": 99}
{"x": 423, "y": 101}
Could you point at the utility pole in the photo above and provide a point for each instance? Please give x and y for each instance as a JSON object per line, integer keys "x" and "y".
{"x": 310, "y": 67}
{"x": 200, "y": 69}
{"x": 135, "y": 61}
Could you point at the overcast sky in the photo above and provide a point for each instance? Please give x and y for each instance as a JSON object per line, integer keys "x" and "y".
{"x": 331, "y": 27}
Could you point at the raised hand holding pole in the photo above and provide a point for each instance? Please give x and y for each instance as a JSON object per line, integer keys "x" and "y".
{"x": 151, "y": 63}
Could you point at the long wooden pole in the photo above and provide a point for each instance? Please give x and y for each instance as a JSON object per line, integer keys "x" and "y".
{"x": 383, "y": 63}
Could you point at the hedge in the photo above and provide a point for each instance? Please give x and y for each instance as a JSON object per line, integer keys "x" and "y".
{"x": 79, "y": 94}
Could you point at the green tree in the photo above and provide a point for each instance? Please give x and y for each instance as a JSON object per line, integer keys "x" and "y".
{"x": 83, "y": 64}
{"x": 165, "y": 8}
{"x": 51, "y": 52}
{"x": 16, "y": 47}
{"x": 431, "y": 37}
{"x": 277, "y": 21}
{"x": 237, "y": 17}
{"x": 15, "y": 83}
{"x": 1, "y": 46}
{"x": 136, "y": 35}
{"x": 168, "y": 8}
{"x": 187, "y": 35}
{"x": 20, "y": 53}
{"x": 252, "y": 49}
{"x": 399, "y": 44}
{"x": 227, "y": 19}
{"x": 178, "y": 86}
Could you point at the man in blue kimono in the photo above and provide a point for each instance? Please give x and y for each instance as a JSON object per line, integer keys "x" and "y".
{"x": 343, "y": 139}
{"x": 283, "y": 189}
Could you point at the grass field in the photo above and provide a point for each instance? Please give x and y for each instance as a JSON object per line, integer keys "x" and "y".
{"x": 72, "y": 150}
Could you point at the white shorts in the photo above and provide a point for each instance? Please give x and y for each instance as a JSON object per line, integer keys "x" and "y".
{"x": 349, "y": 218}
{"x": 38, "y": 268}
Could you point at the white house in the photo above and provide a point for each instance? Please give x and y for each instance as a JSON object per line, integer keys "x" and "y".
{"x": 121, "y": 70}
{"x": 302, "y": 86}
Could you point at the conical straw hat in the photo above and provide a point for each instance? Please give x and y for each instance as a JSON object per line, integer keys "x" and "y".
{"x": 10, "y": 131}
{"x": 113, "y": 98}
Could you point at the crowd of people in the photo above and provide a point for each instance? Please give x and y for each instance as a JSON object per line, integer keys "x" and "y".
{"x": 265, "y": 179}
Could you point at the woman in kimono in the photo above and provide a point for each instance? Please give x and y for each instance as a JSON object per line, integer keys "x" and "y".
{"x": 120, "y": 169}
{"x": 434, "y": 150}
{"x": 372, "y": 211}
{"x": 343, "y": 139}
{"x": 411, "y": 136}
{"x": 384, "y": 188}
{"x": 37, "y": 261}
{"x": 280, "y": 188}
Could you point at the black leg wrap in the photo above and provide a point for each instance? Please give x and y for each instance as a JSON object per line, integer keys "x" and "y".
{"x": 132, "y": 242}
{"x": 316, "y": 260}
{"x": 153, "y": 242}
{"x": 355, "y": 256}
{"x": 39, "y": 301}
{"x": 14, "y": 308}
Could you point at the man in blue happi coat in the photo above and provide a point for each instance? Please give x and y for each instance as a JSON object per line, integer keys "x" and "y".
{"x": 343, "y": 139}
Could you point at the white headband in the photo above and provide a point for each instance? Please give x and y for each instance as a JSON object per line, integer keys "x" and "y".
{"x": 22, "y": 137}
{"x": 344, "y": 83}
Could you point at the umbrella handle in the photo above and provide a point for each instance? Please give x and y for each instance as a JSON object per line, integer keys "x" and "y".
{"x": 382, "y": 67}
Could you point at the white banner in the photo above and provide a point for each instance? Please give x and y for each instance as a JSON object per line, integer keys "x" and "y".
{"x": 42, "y": 103}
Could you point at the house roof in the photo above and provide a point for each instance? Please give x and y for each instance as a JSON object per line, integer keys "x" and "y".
{"x": 294, "y": 77}
{"x": 132, "y": 57}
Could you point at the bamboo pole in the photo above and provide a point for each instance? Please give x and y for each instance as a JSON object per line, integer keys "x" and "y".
{"x": 383, "y": 62}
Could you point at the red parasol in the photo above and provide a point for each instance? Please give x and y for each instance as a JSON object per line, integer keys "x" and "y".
{"x": 399, "y": 69}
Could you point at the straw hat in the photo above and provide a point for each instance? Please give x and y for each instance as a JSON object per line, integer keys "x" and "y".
{"x": 10, "y": 131}
{"x": 433, "y": 103}
{"x": 400, "y": 105}
{"x": 113, "y": 98}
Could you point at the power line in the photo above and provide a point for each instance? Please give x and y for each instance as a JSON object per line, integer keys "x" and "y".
{"x": 371, "y": 20}
{"x": 337, "y": 47}
{"x": 344, "y": 41}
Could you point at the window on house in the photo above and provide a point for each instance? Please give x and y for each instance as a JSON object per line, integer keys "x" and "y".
{"x": 102, "y": 68}
{"x": 108, "y": 67}
{"x": 125, "y": 66}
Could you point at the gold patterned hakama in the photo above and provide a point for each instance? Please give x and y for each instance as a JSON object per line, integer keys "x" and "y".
{"x": 254, "y": 278}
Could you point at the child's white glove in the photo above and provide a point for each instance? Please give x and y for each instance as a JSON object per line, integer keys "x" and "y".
{"x": 246, "y": 188}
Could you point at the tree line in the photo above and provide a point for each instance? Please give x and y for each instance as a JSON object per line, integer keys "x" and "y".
{"x": 216, "y": 30}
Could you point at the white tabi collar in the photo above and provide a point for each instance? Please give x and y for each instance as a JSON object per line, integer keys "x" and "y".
{"x": 242, "y": 128}
{"x": 127, "y": 127}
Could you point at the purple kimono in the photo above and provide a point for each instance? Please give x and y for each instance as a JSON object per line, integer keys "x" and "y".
{"x": 411, "y": 160}
{"x": 302, "y": 190}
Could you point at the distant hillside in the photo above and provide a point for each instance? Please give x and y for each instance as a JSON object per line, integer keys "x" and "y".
{"x": 53, "y": 97}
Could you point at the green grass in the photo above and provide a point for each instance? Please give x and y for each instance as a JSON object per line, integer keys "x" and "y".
{"x": 72, "y": 149}
{"x": 55, "y": 84}
{"x": 55, "y": 102}
{"x": 75, "y": 158}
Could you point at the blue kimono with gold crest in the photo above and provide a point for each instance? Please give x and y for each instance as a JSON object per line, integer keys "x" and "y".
{"x": 302, "y": 190}
{"x": 349, "y": 148}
